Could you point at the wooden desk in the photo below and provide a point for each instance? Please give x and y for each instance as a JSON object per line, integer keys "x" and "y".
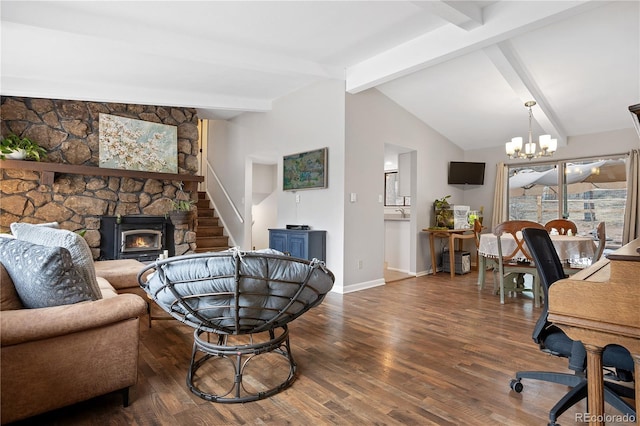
{"x": 449, "y": 234}
{"x": 599, "y": 306}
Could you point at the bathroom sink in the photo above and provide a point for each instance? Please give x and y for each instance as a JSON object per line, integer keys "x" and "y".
{"x": 397, "y": 216}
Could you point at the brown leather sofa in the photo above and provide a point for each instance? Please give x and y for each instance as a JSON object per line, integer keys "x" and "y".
{"x": 56, "y": 356}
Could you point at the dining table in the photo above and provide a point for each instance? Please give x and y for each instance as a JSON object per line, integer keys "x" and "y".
{"x": 576, "y": 251}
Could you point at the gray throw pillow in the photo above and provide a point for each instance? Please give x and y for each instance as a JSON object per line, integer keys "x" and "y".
{"x": 77, "y": 246}
{"x": 43, "y": 276}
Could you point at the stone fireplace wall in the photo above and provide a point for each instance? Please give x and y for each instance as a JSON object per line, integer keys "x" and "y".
{"x": 68, "y": 130}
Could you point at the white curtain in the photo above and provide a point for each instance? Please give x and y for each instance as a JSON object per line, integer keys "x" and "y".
{"x": 500, "y": 206}
{"x": 631, "y": 229}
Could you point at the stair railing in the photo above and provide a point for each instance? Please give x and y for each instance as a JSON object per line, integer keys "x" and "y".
{"x": 222, "y": 189}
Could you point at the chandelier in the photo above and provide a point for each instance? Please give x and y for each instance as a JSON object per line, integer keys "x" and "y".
{"x": 547, "y": 145}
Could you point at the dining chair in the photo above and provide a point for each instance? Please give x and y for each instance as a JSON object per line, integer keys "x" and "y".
{"x": 562, "y": 226}
{"x": 601, "y": 232}
{"x": 477, "y": 229}
{"x": 515, "y": 260}
{"x": 602, "y": 242}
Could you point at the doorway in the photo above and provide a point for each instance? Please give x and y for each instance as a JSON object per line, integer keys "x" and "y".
{"x": 203, "y": 138}
{"x": 399, "y": 177}
{"x": 264, "y": 204}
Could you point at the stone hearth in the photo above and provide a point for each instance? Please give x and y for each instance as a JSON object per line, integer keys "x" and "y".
{"x": 69, "y": 132}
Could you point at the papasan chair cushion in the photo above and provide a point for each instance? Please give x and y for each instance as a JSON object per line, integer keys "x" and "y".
{"x": 237, "y": 293}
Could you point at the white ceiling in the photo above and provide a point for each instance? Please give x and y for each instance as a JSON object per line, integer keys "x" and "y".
{"x": 463, "y": 67}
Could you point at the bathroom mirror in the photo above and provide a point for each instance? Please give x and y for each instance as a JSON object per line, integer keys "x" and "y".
{"x": 391, "y": 197}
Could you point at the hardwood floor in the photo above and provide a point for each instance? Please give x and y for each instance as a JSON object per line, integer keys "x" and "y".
{"x": 391, "y": 275}
{"x": 421, "y": 351}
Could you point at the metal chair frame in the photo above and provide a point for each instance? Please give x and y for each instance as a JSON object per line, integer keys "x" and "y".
{"x": 240, "y": 356}
{"x": 256, "y": 322}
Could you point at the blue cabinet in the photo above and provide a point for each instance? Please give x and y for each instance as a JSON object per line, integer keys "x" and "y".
{"x": 303, "y": 244}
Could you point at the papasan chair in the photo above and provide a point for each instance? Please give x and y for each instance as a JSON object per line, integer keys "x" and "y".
{"x": 239, "y": 304}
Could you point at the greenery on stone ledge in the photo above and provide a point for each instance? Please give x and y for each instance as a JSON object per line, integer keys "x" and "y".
{"x": 12, "y": 143}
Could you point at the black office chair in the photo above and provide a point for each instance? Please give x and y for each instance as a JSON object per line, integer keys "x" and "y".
{"x": 554, "y": 341}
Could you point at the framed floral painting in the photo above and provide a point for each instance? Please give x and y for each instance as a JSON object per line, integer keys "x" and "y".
{"x": 130, "y": 144}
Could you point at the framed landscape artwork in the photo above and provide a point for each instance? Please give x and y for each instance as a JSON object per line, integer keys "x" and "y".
{"x": 305, "y": 170}
{"x": 131, "y": 144}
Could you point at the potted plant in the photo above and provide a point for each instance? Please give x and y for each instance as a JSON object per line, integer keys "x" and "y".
{"x": 444, "y": 214}
{"x": 14, "y": 147}
{"x": 181, "y": 212}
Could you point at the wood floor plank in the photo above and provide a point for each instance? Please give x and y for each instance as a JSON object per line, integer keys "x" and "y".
{"x": 427, "y": 350}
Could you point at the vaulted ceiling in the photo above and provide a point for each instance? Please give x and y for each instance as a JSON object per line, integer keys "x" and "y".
{"x": 465, "y": 68}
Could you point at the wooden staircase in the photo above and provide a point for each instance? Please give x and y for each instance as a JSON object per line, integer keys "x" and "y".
{"x": 209, "y": 234}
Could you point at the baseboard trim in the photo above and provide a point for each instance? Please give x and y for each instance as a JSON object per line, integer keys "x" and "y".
{"x": 361, "y": 286}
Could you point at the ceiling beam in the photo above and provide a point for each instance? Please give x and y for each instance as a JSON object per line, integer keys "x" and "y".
{"x": 464, "y": 15}
{"x": 88, "y": 29}
{"x": 75, "y": 89}
{"x": 502, "y": 20}
{"x": 517, "y": 76}
{"x": 32, "y": 47}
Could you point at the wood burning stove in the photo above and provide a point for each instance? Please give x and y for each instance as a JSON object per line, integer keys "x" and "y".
{"x": 137, "y": 240}
{"x": 140, "y": 237}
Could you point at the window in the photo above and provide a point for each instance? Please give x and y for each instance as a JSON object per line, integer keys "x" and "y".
{"x": 391, "y": 197}
{"x": 590, "y": 191}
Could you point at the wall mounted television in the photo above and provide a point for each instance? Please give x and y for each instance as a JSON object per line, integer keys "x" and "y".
{"x": 465, "y": 172}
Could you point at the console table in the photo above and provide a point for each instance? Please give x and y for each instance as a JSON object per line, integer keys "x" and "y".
{"x": 301, "y": 243}
{"x": 450, "y": 235}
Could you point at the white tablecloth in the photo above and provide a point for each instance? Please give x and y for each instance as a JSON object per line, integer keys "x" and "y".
{"x": 569, "y": 248}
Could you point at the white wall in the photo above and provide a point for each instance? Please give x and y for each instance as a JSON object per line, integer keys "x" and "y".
{"x": 308, "y": 119}
{"x": 265, "y": 204}
{"x": 373, "y": 120}
{"x": 397, "y": 245}
{"x": 355, "y": 128}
